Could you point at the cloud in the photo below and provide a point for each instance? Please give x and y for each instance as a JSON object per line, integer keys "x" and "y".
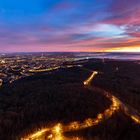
{"x": 73, "y": 25}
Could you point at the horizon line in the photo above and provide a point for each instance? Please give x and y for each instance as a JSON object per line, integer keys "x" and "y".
{"x": 67, "y": 52}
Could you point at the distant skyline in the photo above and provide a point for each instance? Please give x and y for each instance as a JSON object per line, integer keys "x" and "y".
{"x": 69, "y": 25}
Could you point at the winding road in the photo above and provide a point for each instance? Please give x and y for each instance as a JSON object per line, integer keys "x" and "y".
{"x": 56, "y": 132}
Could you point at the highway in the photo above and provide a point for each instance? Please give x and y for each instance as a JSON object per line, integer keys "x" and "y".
{"x": 56, "y": 132}
{"x": 44, "y": 70}
{"x": 128, "y": 110}
{"x": 1, "y": 82}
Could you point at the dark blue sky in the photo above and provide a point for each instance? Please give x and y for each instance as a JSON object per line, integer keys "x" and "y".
{"x": 69, "y": 25}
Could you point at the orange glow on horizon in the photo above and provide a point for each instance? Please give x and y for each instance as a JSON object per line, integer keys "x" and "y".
{"x": 111, "y": 49}
{"x": 124, "y": 49}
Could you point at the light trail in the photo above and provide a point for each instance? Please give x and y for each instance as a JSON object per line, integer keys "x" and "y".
{"x": 87, "y": 82}
{"x": 44, "y": 70}
{"x": 1, "y": 82}
{"x": 38, "y": 133}
{"x": 56, "y": 132}
{"x": 136, "y": 119}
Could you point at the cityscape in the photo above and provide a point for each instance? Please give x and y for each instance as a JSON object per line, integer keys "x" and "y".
{"x": 23, "y": 76}
{"x": 70, "y": 70}
{"x": 16, "y": 66}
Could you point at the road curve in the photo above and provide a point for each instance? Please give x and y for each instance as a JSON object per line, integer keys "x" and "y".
{"x": 127, "y": 109}
{"x": 56, "y": 132}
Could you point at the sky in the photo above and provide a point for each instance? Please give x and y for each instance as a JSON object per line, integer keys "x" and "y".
{"x": 69, "y": 25}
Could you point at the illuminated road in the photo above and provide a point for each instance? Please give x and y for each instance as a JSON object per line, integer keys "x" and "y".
{"x": 56, "y": 132}
{"x": 44, "y": 70}
{"x": 1, "y": 82}
{"x": 128, "y": 110}
{"x": 49, "y": 69}
{"x": 87, "y": 82}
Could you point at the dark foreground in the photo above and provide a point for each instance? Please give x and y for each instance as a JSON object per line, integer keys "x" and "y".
{"x": 46, "y": 99}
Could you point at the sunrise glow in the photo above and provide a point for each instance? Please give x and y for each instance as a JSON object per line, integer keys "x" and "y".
{"x": 69, "y": 26}
{"x": 124, "y": 49}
